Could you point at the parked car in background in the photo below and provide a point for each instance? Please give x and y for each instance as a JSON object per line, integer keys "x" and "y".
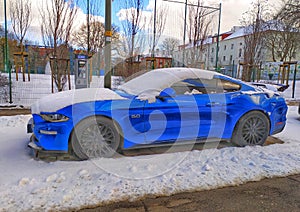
{"x": 162, "y": 106}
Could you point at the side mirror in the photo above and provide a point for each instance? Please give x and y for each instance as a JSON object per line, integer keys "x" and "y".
{"x": 167, "y": 92}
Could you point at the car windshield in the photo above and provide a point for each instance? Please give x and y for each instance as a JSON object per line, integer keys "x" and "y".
{"x": 159, "y": 79}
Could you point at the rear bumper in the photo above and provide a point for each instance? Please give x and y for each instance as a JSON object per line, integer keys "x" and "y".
{"x": 278, "y": 130}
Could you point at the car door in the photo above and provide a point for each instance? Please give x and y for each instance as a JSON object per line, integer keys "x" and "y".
{"x": 162, "y": 120}
{"x": 177, "y": 117}
{"x": 197, "y": 111}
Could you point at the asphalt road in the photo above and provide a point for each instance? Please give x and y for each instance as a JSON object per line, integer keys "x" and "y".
{"x": 276, "y": 194}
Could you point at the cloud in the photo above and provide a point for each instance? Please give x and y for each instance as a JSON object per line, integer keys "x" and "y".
{"x": 232, "y": 11}
{"x": 34, "y": 33}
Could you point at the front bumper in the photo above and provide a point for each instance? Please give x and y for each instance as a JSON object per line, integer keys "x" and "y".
{"x": 30, "y": 126}
{"x": 47, "y": 137}
{"x": 33, "y": 145}
{"x": 40, "y": 153}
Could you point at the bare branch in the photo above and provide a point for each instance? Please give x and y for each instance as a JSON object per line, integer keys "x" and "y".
{"x": 56, "y": 27}
{"x": 20, "y": 13}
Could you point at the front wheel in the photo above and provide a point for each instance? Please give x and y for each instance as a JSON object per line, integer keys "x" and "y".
{"x": 252, "y": 129}
{"x": 95, "y": 137}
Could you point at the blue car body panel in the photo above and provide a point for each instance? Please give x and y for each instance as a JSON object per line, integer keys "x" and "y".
{"x": 168, "y": 119}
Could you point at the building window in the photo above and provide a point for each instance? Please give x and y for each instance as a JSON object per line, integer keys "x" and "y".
{"x": 212, "y": 50}
{"x": 230, "y": 58}
{"x": 241, "y": 44}
{"x": 225, "y": 47}
{"x": 232, "y": 45}
{"x": 224, "y": 58}
{"x": 240, "y": 52}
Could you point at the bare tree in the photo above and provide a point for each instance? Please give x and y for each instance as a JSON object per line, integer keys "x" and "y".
{"x": 20, "y": 13}
{"x": 159, "y": 16}
{"x": 253, "y": 22}
{"x": 170, "y": 44}
{"x": 199, "y": 24}
{"x": 96, "y": 36}
{"x": 290, "y": 12}
{"x": 132, "y": 28}
{"x": 56, "y": 27}
{"x": 282, "y": 40}
{"x": 20, "y": 17}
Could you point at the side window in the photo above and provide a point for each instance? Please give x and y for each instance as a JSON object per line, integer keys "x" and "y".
{"x": 193, "y": 86}
{"x": 181, "y": 88}
{"x": 228, "y": 86}
{"x": 204, "y": 86}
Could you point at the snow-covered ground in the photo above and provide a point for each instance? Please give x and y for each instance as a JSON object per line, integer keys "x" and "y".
{"x": 30, "y": 185}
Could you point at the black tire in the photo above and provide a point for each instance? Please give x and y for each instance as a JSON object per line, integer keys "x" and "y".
{"x": 95, "y": 137}
{"x": 252, "y": 129}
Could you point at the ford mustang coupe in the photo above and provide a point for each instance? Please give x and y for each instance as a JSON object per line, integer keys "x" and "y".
{"x": 162, "y": 106}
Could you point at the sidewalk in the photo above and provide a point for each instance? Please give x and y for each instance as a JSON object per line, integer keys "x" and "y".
{"x": 277, "y": 194}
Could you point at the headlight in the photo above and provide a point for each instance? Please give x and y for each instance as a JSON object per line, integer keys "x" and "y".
{"x": 54, "y": 117}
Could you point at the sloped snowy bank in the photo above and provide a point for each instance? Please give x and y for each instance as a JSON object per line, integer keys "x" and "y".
{"x": 27, "y": 184}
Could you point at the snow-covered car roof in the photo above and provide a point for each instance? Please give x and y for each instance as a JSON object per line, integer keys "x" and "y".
{"x": 159, "y": 79}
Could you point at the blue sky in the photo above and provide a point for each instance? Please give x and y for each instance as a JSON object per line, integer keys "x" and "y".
{"x": 101, "y": 12}
{"x": 232, "y": 11}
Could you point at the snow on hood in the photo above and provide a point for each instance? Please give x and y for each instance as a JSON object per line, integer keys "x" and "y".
{"x": 54, "y": 102}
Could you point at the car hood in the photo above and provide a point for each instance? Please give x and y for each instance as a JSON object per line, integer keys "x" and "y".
{"x": 56, "y": 101}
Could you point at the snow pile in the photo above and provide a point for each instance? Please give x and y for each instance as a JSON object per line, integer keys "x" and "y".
{"x": 30, "y": 185}
{"x": 16, "y": 121}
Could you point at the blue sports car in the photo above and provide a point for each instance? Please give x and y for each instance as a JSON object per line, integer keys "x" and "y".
{"x": 162, "y": 106}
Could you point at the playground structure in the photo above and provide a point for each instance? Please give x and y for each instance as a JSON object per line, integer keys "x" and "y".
{"x": 284, "y": 72}
{"x": 279, "y": 71}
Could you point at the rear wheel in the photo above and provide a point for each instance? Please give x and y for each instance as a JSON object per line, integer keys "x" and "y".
{"x": 95, "y": 137}
{"x": 252, "y": 129}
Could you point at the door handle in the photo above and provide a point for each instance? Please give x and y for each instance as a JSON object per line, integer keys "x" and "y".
{"x": 212, "y": 104}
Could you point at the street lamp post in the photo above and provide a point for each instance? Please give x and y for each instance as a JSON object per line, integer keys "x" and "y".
{"x": 88, "y": 27}
{"x": 154, "y": 36}
{"x": 218, "y": 39}
{"x": 184, "y": 34}
{"x": 6, "y": 69}
{"x": 107, "y": 48}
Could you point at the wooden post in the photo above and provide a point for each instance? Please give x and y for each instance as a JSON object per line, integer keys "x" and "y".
{"x": 91, "y": 68}
{"x": 69, "y": 78}
{"x": 288, "y": 74}
{"x": 28, "y": 71}
{"x": 279, "y": 70}
{"x": 16, "y": 68}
